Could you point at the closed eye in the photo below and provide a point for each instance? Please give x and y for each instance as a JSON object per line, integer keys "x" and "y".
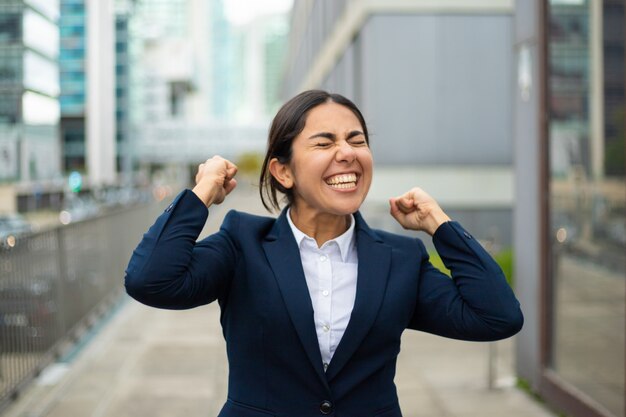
{"x": 356, "y": 137}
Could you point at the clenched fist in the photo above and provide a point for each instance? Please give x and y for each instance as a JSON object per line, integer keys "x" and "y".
{"x": 215, "y": 180}
{"x": 416, "y": 210}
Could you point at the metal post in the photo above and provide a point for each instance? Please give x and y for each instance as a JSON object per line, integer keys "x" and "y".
{"x": 492, "y": 356}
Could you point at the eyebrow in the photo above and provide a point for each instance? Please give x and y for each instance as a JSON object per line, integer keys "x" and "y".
{"x": 332, "y": 136}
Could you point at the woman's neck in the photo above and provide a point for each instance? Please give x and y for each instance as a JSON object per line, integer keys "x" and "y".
{"x": 320, "y": 226}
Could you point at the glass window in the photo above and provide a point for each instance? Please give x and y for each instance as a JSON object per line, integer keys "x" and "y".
{"x": 76, "y": 8}
{"x": 10, "y": 28}
{"x": 75, "y": 31}
{"x": 41, "y": 74}
{"x": 73, "y": 104}
{"x": 72, "y": 54}
{"x": 10, "y": 69}
{"x": 39, "y": 110}
{"x": 40, "y": 34}
{"x": 50, "y": 8}
{"x": 9, "y": 155}
{"x": 9, "y": 107}
{"x": 588, "y": 198}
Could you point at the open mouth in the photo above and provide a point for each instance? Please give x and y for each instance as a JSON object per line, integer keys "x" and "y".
{"x": 342, "y": 181}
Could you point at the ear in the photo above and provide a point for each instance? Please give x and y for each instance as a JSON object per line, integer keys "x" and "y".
{"x": 281, "y": 172}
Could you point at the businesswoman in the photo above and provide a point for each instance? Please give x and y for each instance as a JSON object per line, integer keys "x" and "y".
{"x": 314, "y": 302}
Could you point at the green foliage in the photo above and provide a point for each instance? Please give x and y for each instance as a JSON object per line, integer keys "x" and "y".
{"x": 523, "y": 385}
{"x": 504, "y": 258}
{"x": 435, "y": 259}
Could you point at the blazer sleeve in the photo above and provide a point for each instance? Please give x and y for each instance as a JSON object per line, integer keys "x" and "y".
{"x": 169, "y": 269}
{"x": 477, "y": 304}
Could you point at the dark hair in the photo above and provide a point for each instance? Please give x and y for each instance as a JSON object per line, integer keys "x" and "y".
{"x": 286, "y": 126}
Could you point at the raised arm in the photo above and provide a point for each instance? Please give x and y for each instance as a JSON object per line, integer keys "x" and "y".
{"x": 168, "y": 269}
{"x": 476, "y": 303}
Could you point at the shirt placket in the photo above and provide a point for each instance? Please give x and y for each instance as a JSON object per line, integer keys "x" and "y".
{"x": 325, "y": 302}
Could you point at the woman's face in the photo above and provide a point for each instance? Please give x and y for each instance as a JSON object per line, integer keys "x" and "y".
{"x": 331, "y": 165}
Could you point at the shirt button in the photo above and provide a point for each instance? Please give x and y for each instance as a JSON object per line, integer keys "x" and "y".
{"x": 323, "y": 258}
{"x": 325, "y": 293}
{"x": 325, "y": 366}
{"x": 326, "y": 327}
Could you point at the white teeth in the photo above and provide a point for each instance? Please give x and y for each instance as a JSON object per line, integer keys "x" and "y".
{"x": 344, "y": 179}
{"x": 344, "y": 185}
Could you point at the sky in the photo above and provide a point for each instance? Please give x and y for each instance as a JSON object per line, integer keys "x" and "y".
{"x": 240, "y": 12}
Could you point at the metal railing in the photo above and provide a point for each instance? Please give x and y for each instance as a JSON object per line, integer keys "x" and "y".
{"x": 54, "y": 285}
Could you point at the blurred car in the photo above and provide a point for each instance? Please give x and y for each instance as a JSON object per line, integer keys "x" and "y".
{"x": 12, "y": 227}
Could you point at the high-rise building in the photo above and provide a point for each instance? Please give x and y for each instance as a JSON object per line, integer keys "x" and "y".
{"x": 72, "y": 63}
{"x": 123, "y": 62}
{"x": 87, "y": 64}
{"x": 29, "y": 89}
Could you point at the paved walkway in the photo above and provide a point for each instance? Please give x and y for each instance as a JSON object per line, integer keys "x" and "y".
{"x": 154, "y": 363}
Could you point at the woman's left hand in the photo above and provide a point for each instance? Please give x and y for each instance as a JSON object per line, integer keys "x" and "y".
{"x": 416, "y": 210}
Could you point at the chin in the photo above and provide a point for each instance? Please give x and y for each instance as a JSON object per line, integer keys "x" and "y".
{"x": 347, "y": 208}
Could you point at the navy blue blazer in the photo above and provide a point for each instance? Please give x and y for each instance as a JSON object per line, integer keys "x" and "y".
{"x": 252, "y": 267}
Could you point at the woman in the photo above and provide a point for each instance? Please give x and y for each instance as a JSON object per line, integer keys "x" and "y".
{"x": 314, "y": 302}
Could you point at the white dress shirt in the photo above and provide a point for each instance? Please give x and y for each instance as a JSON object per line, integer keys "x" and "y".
{"x": 331, "y": 276}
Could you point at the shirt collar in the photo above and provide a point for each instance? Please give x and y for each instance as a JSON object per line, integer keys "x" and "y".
{"x": 344, "y": 241}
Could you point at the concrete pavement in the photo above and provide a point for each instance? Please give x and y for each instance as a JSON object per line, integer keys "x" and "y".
{"x": 149, "y": 362}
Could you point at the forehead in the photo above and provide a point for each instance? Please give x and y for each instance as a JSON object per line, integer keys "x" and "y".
{"x": 331, "y": 116}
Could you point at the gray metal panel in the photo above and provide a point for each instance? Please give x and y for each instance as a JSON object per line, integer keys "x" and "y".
{"x": 341, "y": 78}
{"x": 526, "y": 24}
{"x": 526, "y": 216}
{"x": 437, "y": 88}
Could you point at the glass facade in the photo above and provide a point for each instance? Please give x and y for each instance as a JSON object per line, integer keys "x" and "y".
{"x": 122, "y": 86}
{"x": 587, "y": 199}
{"x": 40, "y": 74}
{"x": 73, "y": 133}
{"x": 40, "y": 34}
{"x": 72, "y": 57}
{"x": 11, "y": 65}
{"x": 73, "y": 83}
{"x": 10, "y": 28}
{"x": 49, "y": 8}
{"x": 29, "y": 88}
{"x": 38, "y": 109}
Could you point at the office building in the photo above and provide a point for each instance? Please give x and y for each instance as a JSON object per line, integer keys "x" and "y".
{"x": 29, "y": 107}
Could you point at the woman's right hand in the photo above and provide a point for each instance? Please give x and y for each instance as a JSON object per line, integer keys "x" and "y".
{"x": 215, "y": 180}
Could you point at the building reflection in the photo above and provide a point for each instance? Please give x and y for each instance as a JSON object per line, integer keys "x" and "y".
{"x": 587, "y": 198}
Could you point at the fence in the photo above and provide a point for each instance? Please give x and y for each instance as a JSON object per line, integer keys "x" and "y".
{"x": 54, "y": 284}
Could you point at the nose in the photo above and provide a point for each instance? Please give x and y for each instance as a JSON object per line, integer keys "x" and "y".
{"x": 345, "y": 152}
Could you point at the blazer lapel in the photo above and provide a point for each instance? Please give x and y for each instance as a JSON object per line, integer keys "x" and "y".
{"x": 373, "y": 270}
{"x": 284, "y": 257}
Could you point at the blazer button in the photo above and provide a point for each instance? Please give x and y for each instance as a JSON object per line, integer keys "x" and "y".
{"x": 326, "y": 407}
